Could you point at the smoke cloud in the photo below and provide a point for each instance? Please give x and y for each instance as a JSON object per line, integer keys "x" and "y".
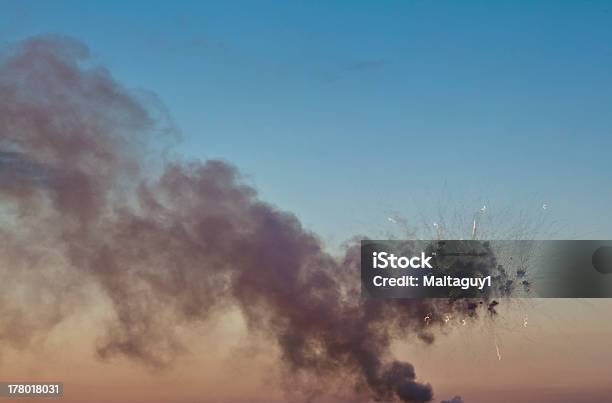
{"x": 84, "y": 198}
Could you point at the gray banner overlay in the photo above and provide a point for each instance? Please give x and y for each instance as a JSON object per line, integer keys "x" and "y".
{"x": 31, "y": 389}
{"x": 486, "y": 269}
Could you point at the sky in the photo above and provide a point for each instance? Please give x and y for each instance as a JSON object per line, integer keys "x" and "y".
{"x": 345, "y": 112}
{"x": 348, "y": 113}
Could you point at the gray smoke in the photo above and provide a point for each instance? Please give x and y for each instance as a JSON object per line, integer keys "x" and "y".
{"x": 78, "y": 206}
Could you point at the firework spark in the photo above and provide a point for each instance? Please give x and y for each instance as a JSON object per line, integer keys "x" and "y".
{"x": 499, "y": 356}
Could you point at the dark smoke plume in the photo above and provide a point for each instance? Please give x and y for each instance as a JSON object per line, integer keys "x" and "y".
{"x": 79, "y": 204}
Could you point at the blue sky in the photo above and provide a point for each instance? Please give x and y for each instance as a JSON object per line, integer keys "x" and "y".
{"x": 346, "y": 112}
